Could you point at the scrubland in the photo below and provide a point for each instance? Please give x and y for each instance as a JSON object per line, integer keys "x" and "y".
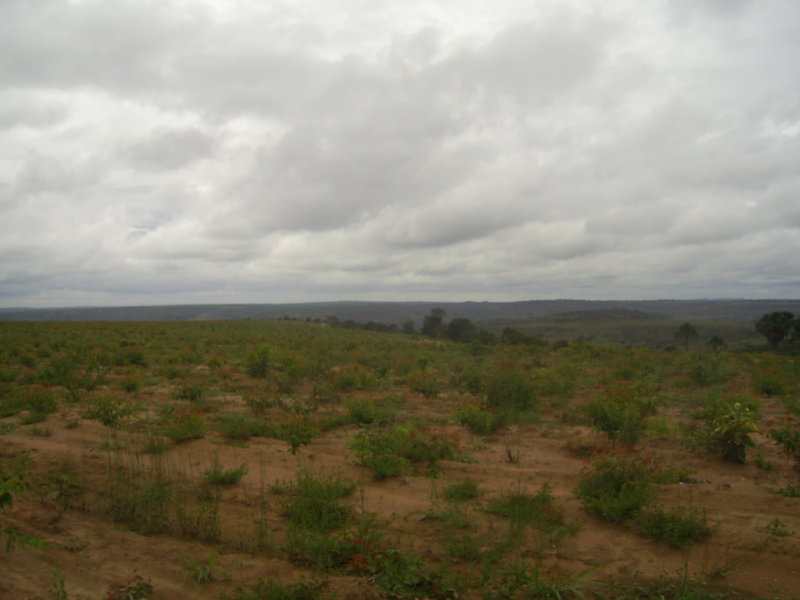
{"x": 279, "y": 459}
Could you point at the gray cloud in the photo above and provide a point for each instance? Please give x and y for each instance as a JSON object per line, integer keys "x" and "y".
{"x": 234, "y": 151}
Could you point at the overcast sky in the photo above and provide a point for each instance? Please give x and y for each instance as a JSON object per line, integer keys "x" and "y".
{"x": 185, "y": 151}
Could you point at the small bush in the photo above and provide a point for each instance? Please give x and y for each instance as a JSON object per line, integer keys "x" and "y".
{"x": 510, "y": 390}
{"x": 678, "y": 528}
{"x": 258, "y": 363}
{"x": 272, "y": 590}
{"x": 728, "y": 431}
{"x": 616, "y": 488}
{"x": 366, "y": 411}
{"x": 620, "y": 415}
{"x": 479, "y": 420}
{"x": 240, "y": 427}
{"x": 462, "y": 491}
{"x": 789, "y": 439}
{"x": 314, "y": 501}
{"x": 185, "y": 427}
{"x": 191, "y": 392}
{"x": 537, "y": 510}
{"x": 216, "y": 475}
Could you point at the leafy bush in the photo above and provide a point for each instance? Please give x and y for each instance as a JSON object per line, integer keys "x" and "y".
{"x": 216, "y": 475}
{"x": 392, "y": 452}
{"x": 366, "y": 411}
{"x": 678, "y": 528}
{"x": 258, "y": 363}
{"x": 538, "y": 510}
{"x": 510, "y": 390}
{"x": 185, "y": 427}
{"x": 462, "y": 491}
{"x": 240, "y": 427}
{"x": 479, "y": 420}
{"x": 272, "y": 590}
{"x": 314, "y": 501}
{"x": 620, "y": 415}
{"x": 107, "y": 410}
{"x": 728, "y": 430}
{"x": 790, "y": 440}
{"x": 616, "y": 488}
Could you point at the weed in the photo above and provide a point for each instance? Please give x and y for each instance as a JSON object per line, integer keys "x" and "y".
{"x": 616, "y": 488}
{"x": 790, "y": 491}
{"x": 620, "y": 415}
{"x": 509, "y": 389}
{"x": 400, "y": 574}
{"x": 201, "y": 571}
{"x": 41, "y": 431}
{"x": 305, "y": 589}
{"x": 216, "y": 475}
{"x": 366, "y": 411}
{"x": 314, "y": 502}
{"x": 154, "y": 444}
{"x": 258, "y": 362}
{"x": 728, "y": 431}
{"x": 776, "y": 528}
{"x": 480, "y": 421}
{"x": 240, "y": 427}
{"x": 58, "y": 585}
{"x": 192, "y": 392}
{"x": 538, "y": 510}
{"x": 790, "y": 440}
{"x": 185, "y": 427}
{"x": 107, "y": 410}
{"x": 134, "y": 589}
{"x": 679, "y": 528}
{"x": 7, "y": 428}
{"x": 462, "y": 491}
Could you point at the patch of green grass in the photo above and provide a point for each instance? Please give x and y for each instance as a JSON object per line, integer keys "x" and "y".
{"x": 678, "y": 528}
{"x": 216, "y": 475}
{"x": 538, "y": 510}
{"x": 479, "y": 420}
{"x": 314, "y": 501}
{"x": 616, "y": 488}
{"x": 462, "y": 491}
{"x": 240, "y": 427}
{"x": 305, "y": 589}
{"x": 184, "y": 428}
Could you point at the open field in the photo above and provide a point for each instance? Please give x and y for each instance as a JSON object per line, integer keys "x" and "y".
{"x": 279, "y": 459}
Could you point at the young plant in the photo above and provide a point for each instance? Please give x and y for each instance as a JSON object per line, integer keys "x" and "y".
{"x": 728, "y": 431}
{"x": 616, "y": 488}
{"x": 216, "y": 475}
{"x": 679, "y": 528}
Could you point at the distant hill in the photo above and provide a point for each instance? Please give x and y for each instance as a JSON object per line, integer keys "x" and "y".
{"x": 399, "y": 312}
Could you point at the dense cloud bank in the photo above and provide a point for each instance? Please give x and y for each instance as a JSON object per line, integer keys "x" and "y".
{"x": 243, "y": 151}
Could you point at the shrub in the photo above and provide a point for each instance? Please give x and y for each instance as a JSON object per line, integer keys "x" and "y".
{"x": 107, "y": 410}
{"x": 366, "y": 411}
{"x": 191, "y": 392}
{"x": 616, "y": 488}
{"x": 258, "y": 362}
{"x": 240, "y": 427}
{"x": 728, "y": 431}
{"x": 479, "y": 420}
{"x": 620, "y": 415}
{"x": 314, "y": 501}
{"x": 392, "y": 452}
{"x": 790, "y": 440}
{"x": 678, "y": 528}
{"x": 216, "y": 475}
{"x": 510, "y": 390}
{"x": 462, "y": 491}
{"x": 538, "y": 510}
{"x": 185, "y": 427}
{"x": 272, "y": 590}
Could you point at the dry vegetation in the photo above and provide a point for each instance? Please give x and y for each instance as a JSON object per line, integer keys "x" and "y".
{"x": 266, "y": 460}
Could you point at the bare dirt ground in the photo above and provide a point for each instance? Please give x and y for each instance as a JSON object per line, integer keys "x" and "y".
{"x": 93, "y": 554}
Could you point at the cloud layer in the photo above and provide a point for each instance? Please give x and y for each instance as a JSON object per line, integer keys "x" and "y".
{"x": 180, "y": 151}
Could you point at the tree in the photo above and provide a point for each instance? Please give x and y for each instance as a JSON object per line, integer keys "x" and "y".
{"x": 433, "y": 325}
{"x": 462, "y": 330}
{"x": 685, "y": 333}
{"x": 776, "y": 326}
{"x": 716, "y": 343}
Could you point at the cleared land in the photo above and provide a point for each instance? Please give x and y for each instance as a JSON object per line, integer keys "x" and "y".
{"x": 204, "y": 457}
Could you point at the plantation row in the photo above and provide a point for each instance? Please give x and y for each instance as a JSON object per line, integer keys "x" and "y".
{"x": 400, "y": 407}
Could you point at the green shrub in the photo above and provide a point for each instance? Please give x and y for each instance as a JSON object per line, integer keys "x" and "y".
{"x": 391, "y": 453}
{"x": 240, "y": 427}
{"x": 620, "y": 415}
{"x": 789, "y": 439}
{"x": 400, "y": 574}
{"x": 296, "y": 432}
{"x": 462, "y": 491}
{"x": 538, "y": 510}
{"x": 728, "y": 431}
{"x": 185, "y": 427}
{"x": 480, "y": 421}
{"x": 216, "y": 475}
{"x": 678, "y": 528}
{"x": 366, "y": 411}
{"x": 191, "y": 392}
{"x": 107, "y": 410}
{"x": 510, "y": 390}
{"x": 314, "y": 502}
{"x": 616, "y": 488}
{"x": 270, "y": 589}
{"x": 258, "y": 362}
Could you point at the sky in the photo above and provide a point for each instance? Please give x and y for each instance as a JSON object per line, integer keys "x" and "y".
{"x": 227, "y": 151}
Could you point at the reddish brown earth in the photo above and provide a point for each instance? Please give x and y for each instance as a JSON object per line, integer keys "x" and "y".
{"x": 93, "y": 553}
